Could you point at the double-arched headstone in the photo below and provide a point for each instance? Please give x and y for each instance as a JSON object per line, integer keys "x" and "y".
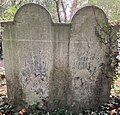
{"x": 55, "y": 64}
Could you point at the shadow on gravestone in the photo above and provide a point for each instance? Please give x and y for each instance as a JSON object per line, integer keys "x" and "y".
{"x": 58, "y": 65}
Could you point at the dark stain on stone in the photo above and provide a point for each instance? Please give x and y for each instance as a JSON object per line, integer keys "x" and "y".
{"x": 60, "y": 88}
{"x": 77, "y": 78}
{"x": 18, "y": 95}
{"x": 100, "y": 88}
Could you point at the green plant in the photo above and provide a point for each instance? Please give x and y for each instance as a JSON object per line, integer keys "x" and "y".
{"x": 8, "y": 14}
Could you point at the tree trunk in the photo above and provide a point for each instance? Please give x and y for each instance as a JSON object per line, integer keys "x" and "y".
{"x": 57, "y": 8}
{"x": 64, "y": 11}
{"x": 73, "y": 8}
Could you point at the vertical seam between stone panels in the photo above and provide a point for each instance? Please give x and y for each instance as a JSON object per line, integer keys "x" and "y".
{"x": 54, "y": 45}
{"x": 68, "y": 65}
{"x": 11, "y": 45}
{"x": 69, "y": 45}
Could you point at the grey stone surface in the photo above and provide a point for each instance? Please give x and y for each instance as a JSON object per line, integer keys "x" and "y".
{"x": 57, "y": 65}
{"x": 28, "y": 54}
{"x": 87, "y": 59}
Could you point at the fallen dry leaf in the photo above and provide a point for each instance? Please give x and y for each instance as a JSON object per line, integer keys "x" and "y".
{"x": 113, "y": 112}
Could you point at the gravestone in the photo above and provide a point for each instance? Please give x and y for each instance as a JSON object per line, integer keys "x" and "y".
{"x": 55, "y": 64}
{"x": 88, "y": 59}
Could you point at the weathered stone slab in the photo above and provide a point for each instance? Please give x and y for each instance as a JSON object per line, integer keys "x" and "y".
{"x": 28, "y": 54}
{"x": 88, "y": 60}
{"x": 57, "y": 65}
{"x": 60, "y": 79}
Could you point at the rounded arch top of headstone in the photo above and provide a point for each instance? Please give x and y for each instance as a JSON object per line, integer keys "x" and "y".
{"x": 88, "y": 20}
{"x": 84, "y": 10}
{"x": 31, "y": 10}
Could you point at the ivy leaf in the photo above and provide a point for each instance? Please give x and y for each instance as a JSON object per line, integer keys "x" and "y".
{"x": 13, "y": 9}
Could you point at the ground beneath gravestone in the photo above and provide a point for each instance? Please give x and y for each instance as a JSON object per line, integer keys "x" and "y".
{"x": 110, "y": 108}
